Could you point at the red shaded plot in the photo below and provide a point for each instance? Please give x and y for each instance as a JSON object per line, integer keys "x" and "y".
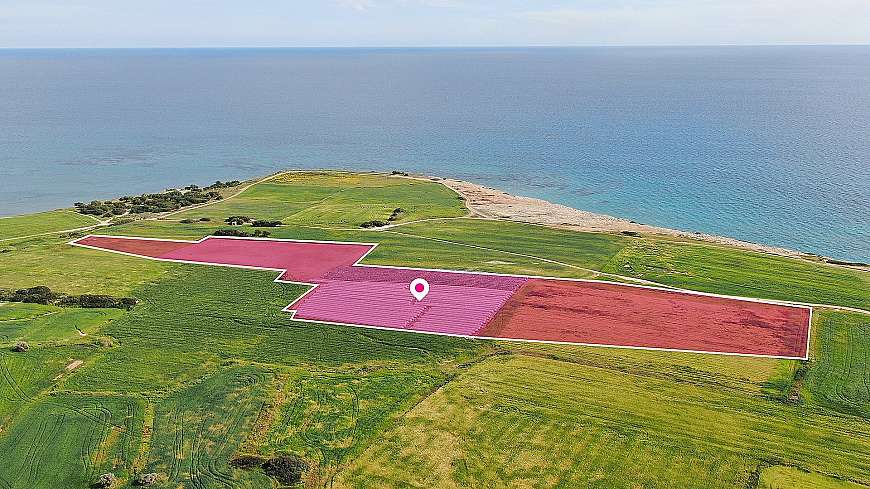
{"x": 152, "y": 248}
{"x": 303, "y": 261}
{"x": 493, "y": 306}
{"x": 620, "y": 315}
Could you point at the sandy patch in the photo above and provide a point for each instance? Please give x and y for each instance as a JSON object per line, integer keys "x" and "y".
{"x": 74, "y": 365}
{"x": 491, "y": 203}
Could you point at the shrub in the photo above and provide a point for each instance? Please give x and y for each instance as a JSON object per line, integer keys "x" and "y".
{"x": 35, "y": 295}
{"x": 373, "y": 224}
{"x": 239, "y": 233}
{"x": 247, "y": 462}
{"x": 397, "y": 172}
{"x": 106, "y": 480}
{"x": 204, "y": 219}
{"x": 286, "y": 469}
{"x": 147, "y": 479}
{"x": 187, "y": 221}
{"x": 395, "y": 214}
{"x": 43, "y": 295}
{"x": 166, "y": 201}
{"x": 21, "y": 347}
{"x": 266, "y": 224}
{"x": 237, "y": 220}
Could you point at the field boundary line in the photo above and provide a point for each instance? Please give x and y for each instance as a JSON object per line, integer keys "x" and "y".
{"x": 372, "y": 246}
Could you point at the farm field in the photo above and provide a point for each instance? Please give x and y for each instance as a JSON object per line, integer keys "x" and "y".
{"x": 206, "y": 371}
{"x": 43, "y": 222}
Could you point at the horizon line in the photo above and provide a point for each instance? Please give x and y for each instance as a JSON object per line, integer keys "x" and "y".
{"x": 446, "y": 46}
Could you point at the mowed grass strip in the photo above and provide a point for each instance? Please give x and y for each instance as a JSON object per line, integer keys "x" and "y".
{"x": 43, "y": 222}
{"x": 530, "y": 421}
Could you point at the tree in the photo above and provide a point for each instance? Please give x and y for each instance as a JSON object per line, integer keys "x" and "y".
{"x": 287, "y": 469}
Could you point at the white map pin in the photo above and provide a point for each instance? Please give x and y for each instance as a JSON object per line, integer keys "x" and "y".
{"x": 419, "y": 288}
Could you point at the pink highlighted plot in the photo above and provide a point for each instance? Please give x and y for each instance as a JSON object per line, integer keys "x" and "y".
{"x": 457, "y": 303}
{"x": 482, "y": 305}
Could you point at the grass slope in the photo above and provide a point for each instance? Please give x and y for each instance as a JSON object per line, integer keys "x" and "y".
{"x": 43, "y": 222}
{"x": 207, "y": 366}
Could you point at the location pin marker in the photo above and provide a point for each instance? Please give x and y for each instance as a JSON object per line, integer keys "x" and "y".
{"x": 419, "y": 288}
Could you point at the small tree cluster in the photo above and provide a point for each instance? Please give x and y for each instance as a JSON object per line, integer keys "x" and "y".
{"x": 44, "y": 295}
{"x": 219, "y": 184}
{"x": 101, "y": 208}
{"x": 242, "y": 234}
{"x": 373, "y": 224}
{"x": 148, "y": 479}
{"x": 169, "y": 200}
{"x": 238, "y": 220}
{"x": 396, "y": 213}
{"x": 259, "y": 223}
{"x": 286, "y": 469}
{"x": 106, "y": 480}
{"x": 21, "y": 347}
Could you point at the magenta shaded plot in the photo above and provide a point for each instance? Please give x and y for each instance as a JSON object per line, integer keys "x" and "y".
{"x": 454, "y": 308}
{"x": 303, "y": 261}
{"x": 377, "y": 273}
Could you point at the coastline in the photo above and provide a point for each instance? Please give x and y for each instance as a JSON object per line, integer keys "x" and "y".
{"x": 490, "y": 203}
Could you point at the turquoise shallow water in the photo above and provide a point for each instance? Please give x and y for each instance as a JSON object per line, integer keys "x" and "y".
{"x": 767, "y": 144}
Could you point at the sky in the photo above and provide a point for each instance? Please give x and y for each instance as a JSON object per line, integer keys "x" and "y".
{"x": 205, "y": 23}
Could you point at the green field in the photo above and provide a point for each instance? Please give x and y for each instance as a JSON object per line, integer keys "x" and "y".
{"x": 207, "y": 369}
{"x": 43, "y": 222}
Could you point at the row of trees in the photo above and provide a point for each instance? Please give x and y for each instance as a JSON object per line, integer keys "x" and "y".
{"x": 257, "y": 223}
{"x": 258, "y": 233}
{"x": 170, "y": 200}
{"x": 44, "y": 295}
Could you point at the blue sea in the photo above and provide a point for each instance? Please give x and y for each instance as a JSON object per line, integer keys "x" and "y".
{"x": 766, "y": 144}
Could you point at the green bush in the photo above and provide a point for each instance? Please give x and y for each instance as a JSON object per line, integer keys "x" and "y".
{"x": 286, "y": 469}
{"x": 266, "y": 224}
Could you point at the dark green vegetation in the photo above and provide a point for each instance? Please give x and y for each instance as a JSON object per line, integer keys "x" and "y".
{"x": 206, "y": 380}
{"x": 257, "y": 233}
{"x": 167, "y": 201}
{"x": 44, "y": 295}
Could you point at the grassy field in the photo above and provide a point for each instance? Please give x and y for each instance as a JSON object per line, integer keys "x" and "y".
{"x": 779, "y": 477}
{"x": 36, "y": 323}
{"x": 520, "y": 419}
{"x": 206, "y": 367}
{"x": 43, "y": 222}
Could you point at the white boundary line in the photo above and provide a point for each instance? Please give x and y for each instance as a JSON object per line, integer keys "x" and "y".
{"x": 372, "y": 246}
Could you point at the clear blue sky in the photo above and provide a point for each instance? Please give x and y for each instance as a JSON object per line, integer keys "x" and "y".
{"x": 156, "y": 23}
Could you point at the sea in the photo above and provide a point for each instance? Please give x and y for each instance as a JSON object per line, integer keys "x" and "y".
{"x": 766, "y": 144}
